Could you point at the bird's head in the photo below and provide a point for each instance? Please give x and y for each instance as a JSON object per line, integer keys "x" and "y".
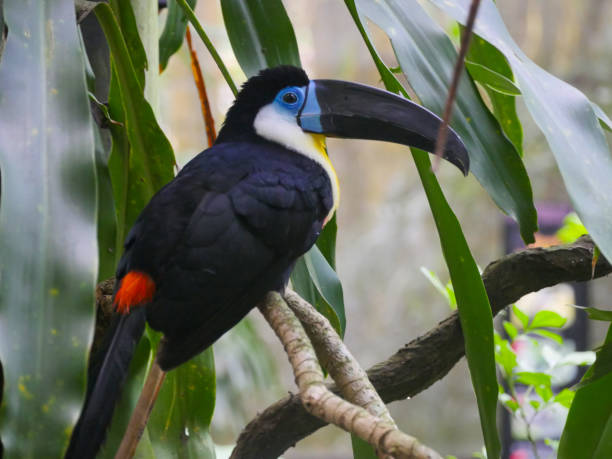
{"x": 282, "y": 105}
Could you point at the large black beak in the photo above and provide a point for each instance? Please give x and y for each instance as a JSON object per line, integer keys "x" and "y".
{"x": 350, "y": 110}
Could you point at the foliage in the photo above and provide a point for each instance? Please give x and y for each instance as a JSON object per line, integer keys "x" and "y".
{"x": 536, "y": 374}
{"x": 55, "y": 165}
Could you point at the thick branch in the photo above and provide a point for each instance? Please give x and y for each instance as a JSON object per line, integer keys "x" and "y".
{"x": 430, "y": 357}
{"x": 319, "y": 401}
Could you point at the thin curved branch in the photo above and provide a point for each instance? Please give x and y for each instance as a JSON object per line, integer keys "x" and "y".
{"x": 430, "y": 357}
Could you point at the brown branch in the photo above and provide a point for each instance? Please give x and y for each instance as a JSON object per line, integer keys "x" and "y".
{"x": 335, "y": 357}
{"x": 141, "y": 413}
{"x": 430, "y": 357}
{"x": 319, "y": 401}
{"x": 452, "y": 90}
{"x": 198, "y": 78}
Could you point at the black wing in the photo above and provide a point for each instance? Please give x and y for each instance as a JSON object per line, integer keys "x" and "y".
{"x": 240, "y": 243}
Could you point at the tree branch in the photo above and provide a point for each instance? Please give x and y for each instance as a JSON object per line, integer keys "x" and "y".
{"x": 317, "y": 399}
{"x": 430, "y": 357}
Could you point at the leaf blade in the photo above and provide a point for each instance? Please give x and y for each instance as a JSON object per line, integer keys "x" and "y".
{"x": 48, "y": 240}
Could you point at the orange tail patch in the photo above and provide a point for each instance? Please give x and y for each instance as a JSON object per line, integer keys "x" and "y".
{"x": 136, "y": 288}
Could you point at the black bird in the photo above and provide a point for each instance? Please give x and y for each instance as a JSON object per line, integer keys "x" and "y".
{"x": 230, "y": 226}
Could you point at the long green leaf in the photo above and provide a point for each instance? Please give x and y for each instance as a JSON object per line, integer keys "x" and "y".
{"x": 48, "y": 250}
{"x": 565, "y": 116}
{"x": 427, "y": 58}
{"x": 472, "y": 301}
{"x": 260, "y": 33}
{"x": 149, "y": 165}
{"x": 174, "y": 32}
{"x": 588, "y": 429}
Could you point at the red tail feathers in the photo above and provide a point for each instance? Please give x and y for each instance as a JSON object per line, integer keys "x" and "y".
{"x": 136, "y": 288}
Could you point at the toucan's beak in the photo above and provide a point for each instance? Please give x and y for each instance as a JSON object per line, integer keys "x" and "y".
{"x": 349, "y": 110}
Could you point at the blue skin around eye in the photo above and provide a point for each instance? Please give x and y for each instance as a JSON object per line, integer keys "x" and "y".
{"x": 310, "y": 109}
{"x": 287, "y": 108}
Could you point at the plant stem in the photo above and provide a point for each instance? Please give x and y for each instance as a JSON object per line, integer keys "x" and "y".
{"x": 211, "y": 49}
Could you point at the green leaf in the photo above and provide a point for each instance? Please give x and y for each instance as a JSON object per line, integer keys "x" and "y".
{"x": 260, "y": 33}
{"x": 510, "y": 330}
{"x": 180, "y": 421}
{"x": 547, "y": 319}
{"x": 491, "y": 79}
{"x": 548, "y": 334}
{"x": 362, "y": 449}
{"x": 508, "y": 402}
{"x": 531, "y": 378}
{"x": 588, "y": 429}
{"x": 604, "y": 120}
{"x": 174, "y": 32}
{"x": 504, "y": 355}
{"x": 315, "y": 281}
{"x": 504, "y": 106}
{"x": 445, "y": 290}
{"x": 521, "y": 316}
{"x": 427, "y": 58}
{"x": 598, "y": 314}
{"x": 48, "y": 248}
{"x": 572, "y": 229}
{"x": 565, "y": 398}
{"x": 565, "y": 116}
{"x": 136, "y": 175}
{"x": 472, "y": 302}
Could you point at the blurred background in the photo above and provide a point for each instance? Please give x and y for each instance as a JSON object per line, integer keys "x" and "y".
{"x": 386, "y": 233}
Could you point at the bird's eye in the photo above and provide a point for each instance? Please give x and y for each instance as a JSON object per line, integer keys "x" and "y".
{"x": 290, "y": 98}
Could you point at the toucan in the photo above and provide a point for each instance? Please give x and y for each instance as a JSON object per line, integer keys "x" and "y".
{"x": 231, "y": 225}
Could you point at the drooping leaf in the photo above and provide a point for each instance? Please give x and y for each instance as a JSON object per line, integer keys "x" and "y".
{"x": 48, "y": 249}
{"x": 260, "y": 33}
{"x": 565, "y": 116}
{"x": 504, "y": 106}
{"x": 427, "y": 58}
{"x": 174, "y": 32}
{"x": 472, "y": 300}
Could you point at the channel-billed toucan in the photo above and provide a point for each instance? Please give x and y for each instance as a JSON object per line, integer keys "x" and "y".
{"x": 230, "y": 226}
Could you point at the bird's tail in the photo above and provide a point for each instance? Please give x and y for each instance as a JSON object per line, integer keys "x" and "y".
{"x": 108, "y": 370}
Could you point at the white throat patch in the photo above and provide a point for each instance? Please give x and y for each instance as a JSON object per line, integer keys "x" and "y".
{"x": 276, "y": 126}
